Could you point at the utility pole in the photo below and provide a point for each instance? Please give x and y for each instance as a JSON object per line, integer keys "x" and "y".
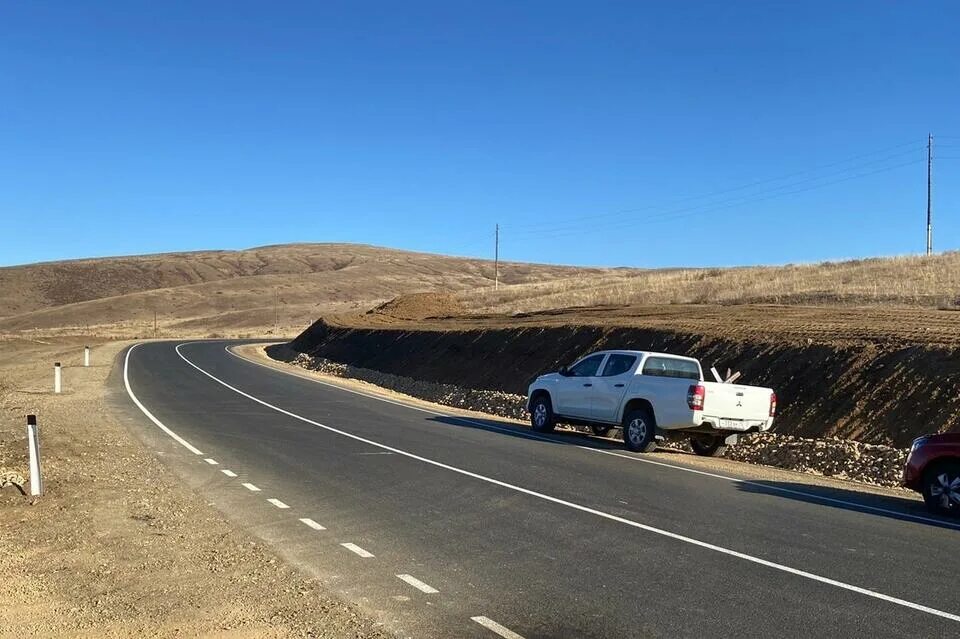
{"x": 496, "y": 258}
{"x": 929, "y": 193}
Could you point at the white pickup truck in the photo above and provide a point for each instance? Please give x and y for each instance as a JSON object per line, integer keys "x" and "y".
{"x": 649, "y": 394}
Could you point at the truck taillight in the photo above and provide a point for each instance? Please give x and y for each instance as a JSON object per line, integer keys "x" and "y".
{"x": 695, "y": 395}
{"x": 773, "y": 404}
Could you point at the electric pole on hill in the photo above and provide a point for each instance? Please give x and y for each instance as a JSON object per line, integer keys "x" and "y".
{"x": 496, "y": 258}
{"x": 929, "y": 193}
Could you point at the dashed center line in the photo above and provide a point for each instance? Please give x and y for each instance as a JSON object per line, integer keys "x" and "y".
{"x": 312, "y": 523}
{"x": 419, "y": 585}
{"x": 277, "y": 503}
{"x": 251, "y": 488}
{"x": 212, "y": 462}
{"x": 228, "y": 473}
{"x": 490, "y": 624}
{"x": 358, "y": 550}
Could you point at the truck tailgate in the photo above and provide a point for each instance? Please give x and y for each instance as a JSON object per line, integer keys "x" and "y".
{"x": 733, "y": 403}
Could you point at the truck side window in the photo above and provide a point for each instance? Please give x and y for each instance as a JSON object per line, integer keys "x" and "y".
{"x": 618, "y": 364}
{"x": 587, "y": 367}
{"x": 669, "y": 367}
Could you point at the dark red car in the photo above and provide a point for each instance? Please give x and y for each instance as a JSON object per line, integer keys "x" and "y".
{"x": 933, "y": 469}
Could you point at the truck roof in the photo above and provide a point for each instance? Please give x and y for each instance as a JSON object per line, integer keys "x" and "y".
{"x": 642, "y": 353}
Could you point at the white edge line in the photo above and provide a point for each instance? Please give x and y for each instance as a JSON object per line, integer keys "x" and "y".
{"x": 277, "y": 503}
{"x": 250, "y": 487}
{"x": 520, "y": 433}
{"x": 493, "y": 626}
{"x": 126, "y": 382}
{"x": 228, "y": 473}
{"x": 311, "y": 523}
{"x": 357, "y": 550}
{"x": 419, "y": 585}
{"x": 586, "y": 509}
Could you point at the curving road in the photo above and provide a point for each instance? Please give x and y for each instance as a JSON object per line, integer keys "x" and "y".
{"x": 442, "y": 526}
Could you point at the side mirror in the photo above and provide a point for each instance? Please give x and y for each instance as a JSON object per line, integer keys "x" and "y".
{"x": 564, "y": 371}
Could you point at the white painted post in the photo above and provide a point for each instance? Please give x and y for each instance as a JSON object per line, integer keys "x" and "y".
{"x": 56, "y": 377}
{"x": 86, "y": 356}
{"x": 33, "y": 442}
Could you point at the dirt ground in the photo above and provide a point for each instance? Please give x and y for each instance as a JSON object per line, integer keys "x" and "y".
{"x": 793, "y": 325}
{"x": 117, "y": 547}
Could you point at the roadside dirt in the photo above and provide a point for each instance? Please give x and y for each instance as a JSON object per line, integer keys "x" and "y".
{"x": 117, "y": 547}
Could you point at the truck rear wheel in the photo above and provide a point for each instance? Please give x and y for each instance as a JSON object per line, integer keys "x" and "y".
{"x": 638, "y": 431}
{"x": 542, "y": 418}
{"x": 707, "y": 445}
{"x": 941, "y": 488}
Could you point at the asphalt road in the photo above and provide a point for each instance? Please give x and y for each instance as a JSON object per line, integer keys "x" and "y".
{"x": 559, "y": 536}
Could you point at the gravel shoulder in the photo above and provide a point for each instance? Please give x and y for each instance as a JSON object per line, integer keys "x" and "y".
{"x": 117, "y": 547}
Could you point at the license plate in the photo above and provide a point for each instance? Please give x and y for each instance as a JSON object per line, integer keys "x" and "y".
{"x": 734, "y": 424}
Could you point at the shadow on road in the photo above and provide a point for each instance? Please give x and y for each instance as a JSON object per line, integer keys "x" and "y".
{"x": 889, "y": 506}
{"x": 902, "y": 508}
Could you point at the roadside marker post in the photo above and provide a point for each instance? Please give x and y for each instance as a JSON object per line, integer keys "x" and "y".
{"x": 86, "y": 356}
{"x": 33, "y": 442}
{"x": 56, "y": 377}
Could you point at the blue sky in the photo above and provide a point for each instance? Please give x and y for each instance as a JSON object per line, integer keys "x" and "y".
{"x": 607, "y": 133}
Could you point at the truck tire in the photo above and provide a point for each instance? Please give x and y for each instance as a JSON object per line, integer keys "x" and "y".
{"x": 600, "y": 430}
{"x": 639, "y": 430}
{"x": 707, "y": 445}
{"x": 542, "y": 418}
{"x": 941, "y": 487}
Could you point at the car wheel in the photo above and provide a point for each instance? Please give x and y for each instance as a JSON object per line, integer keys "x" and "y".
{"x": 941, "y": 488}
{"x": 638, "y": 431}
{"x": 542, "y": 418}
{"x": 600, "y": 430}
{"x": 707, "y": 445}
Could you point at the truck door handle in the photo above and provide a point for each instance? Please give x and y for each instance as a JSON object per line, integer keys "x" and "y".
{"x": 588, "y": 384}
{"x": 618, "y": 385}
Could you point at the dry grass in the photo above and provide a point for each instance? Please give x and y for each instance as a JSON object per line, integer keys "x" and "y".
{"x": 916, "y": 281}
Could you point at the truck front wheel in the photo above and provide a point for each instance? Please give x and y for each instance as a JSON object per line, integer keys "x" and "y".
{"x": 541, "y": 414}
{"x": 707, "y": 445}
{"x": 638, "y": 431}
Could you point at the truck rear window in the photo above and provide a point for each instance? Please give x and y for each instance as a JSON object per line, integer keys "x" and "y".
{"x": 669, "y": 367}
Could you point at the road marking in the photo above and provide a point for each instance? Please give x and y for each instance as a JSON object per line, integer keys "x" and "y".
{"x": 586, "y": 509}
{"x": 490, "y": 624}
{"x": 419, "y": 585}
{"x": 251, "y": 487}
{"x": 126, "y": 382}
{"x": 358, "y": 550}
{"x": 277, "y": 503}
{"x": 212, "y": 462}
{"x": 519, "y": 431}
{"x": 312, "y": 523}
{"x": 228, "y": 473}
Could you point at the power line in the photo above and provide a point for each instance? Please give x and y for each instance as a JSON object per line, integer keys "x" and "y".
{"x": 696, "y": 211}
{"x": 914, "y": 143}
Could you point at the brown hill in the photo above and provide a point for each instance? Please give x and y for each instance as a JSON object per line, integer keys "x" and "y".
{"x": 230, "y": 291}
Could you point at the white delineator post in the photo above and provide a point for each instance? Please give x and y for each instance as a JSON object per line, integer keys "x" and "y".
{"x": 86, "y": 356}
{"x": 33, "y": 442}
{"x": 56, "y": 377}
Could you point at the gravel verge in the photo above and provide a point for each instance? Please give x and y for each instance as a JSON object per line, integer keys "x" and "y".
{"x": 117, "y": 547}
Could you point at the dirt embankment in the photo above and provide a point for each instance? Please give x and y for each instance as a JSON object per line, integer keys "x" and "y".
{"x": 875, "y": 391}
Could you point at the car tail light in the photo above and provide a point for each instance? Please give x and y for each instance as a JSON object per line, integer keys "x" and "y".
{"x": 773, "y": 404}
{"x": 695, "y": 396}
